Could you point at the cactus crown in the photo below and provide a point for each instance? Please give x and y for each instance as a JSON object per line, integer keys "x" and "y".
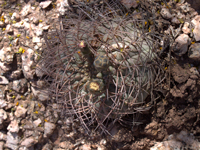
{"x": 101, "y": 64}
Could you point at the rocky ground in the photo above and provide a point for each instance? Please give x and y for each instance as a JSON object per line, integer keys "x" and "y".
{"x": 28, "y": 122}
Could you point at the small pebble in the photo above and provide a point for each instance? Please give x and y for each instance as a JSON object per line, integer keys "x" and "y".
{"x": 182, "y": 43}
{"x": 20, "y": 112}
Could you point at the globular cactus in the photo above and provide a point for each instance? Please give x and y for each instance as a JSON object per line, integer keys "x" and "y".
{"x": 101, "y": 66}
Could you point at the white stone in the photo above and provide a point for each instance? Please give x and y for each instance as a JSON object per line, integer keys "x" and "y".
{"x": 28, "y": 142}
{"x": 39, "y": 44}
{"x": 194, "y": 51}
{"x": 3, "y": 136}
{"x": 28, "y": 58}
{"x": 19, "y": 24}
{"x": 36, "y": 39}
{"x": 46, "y": 27}
{"x": 37, "y": 122}
{"x": 20, "y": 112}
{"x": 3, "y": 80}
{"x": 182, "y": 43}
{"x": 177, "y": 142}
{"x": 186, "y": 28}
{"x": 196, "y": 31}
{"x": 4, "y": 67}
{"x": 6, "y": 55}
{"x": 39, "y": 32}
{"x": 33, "y": 8}
{"x": 15, "y": 16}
{"x": 62, "y": 7}
{"x": 48, "y": 129}
{"x": 9, "y": 28}
{"x": 12, "y": 140}
{"x": 3, "y": 116}
{"x": 2, "y": 145}
{"x": 13, "y": 126}
{"x": 1, "y": 24}
{"x": 45, "y": 4}
{"x": 36, "y": 47}
{"x": 3, "y": 103}
{"x": 25, "y": 10}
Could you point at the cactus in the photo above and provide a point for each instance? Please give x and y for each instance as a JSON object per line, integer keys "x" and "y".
{"x": 101, "y": 65}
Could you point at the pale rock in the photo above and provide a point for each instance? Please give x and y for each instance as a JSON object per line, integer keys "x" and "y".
{"x": 3, "y": 136}
{"x": 19, "y": 25}
{"x": 101, "y": 147}
{"x": 2, "y": 145}
{"x": 85, "y": 147}
{"x": 3, "y": 80}
{"x": 28, "y": 142}
{"x": 36, "y": 47}
{"x": 16, "y": 42}
{"x": 46, "y": 27}
{"x": 41, "y": 94}
{"x": 20, "y": 112}
{"x": 185, "y": 7}
{"x": 186, "y": 28}
{"x": 65, "y": 144}
{"x": 62, "y": 8}
{"x": 45, "y": 4}
{"x": 180, "y": 15}
{"x": 2, "y": 24}
{"x": 103, "y": 142}
{"x": 27, "y": 25}
{"x": 13, "y": 126}
{"x": 35, "y": 20}
{"x": 194, "y": 71}
{"x": 5, "y": 67}
{"x": 36, "y": 39}
{"x": 28, "y": 58}
{"x": 15, "y": 16}
{"x": 25, "y": 10}
{"x": 3, "y": 116}
{"x": 33, "y": 8}
{"x": 26, "y": 19}
{"x": 3, "y": 103}
{"x": 6, "y": 55}
{"x": 181, "y": 44}
{"x": 37, "y": 122}
{"x": 48, "y": 129}
{"x": 6, "y": 21}
{"x": 38, "y": 31}
{"x": 11, "y": 116}
{"x": 165, "y": 13}
{"x": 40, "y": 25}
{"x": 12, "y": 140}
{"x": 20, "y": 86}
{"x": 129, "y": 3}
{"x": 194, "y": 51}
{"x": 39, "y": 44}
{"x": 179, "y": 141}
{"x": 16, "y": 74}
{"x": 196, "y": 31}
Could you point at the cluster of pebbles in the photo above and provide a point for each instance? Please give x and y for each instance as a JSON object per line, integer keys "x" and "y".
{"x": 26, "y": 122}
